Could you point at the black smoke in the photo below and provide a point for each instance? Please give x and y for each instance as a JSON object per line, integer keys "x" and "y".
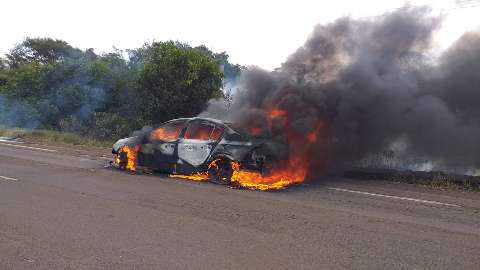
{"x": 374, "y": 87}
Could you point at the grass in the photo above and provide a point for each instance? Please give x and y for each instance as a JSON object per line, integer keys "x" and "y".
{"x": 53, "y": 137}
{"x": 433, "y": 179}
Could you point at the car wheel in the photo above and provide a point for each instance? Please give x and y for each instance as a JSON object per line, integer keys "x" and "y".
{"x": 220, "y": 171}
{"x": 263, "y": 159}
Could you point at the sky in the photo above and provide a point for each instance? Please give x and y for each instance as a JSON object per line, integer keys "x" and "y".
{"x": 252, "y": 32}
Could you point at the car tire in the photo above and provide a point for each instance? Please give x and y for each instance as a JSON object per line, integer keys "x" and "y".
{"x": 263, "y": 158}
{"x": 220, "y": 171}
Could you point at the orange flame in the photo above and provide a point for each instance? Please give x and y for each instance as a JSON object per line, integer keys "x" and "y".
{"x": 278, "y": 114}
{"x": 131, "y": 153}
{"x": 293, "y": 173}
{"x": 164, "y": 134}
{"x": 199, "y": 176}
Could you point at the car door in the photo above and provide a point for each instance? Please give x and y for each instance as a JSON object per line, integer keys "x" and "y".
{"x": 196, "y": 145}
{"x": 160, "y": 149}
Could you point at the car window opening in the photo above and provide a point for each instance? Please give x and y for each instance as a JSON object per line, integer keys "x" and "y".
{"x": 204, "y": 132}
{"x": 168, "y": 132}
{"x": 216, "y": 133}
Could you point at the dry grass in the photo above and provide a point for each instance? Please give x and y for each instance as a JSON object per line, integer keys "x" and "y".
{"x": 434, "y": 179}
{"x": 49, "y": 136}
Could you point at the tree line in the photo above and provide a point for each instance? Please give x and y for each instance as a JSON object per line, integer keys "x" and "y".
{"x": 46, "y": 83}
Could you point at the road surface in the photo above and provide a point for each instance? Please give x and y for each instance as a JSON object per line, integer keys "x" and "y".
{"x": 63, "y": 210}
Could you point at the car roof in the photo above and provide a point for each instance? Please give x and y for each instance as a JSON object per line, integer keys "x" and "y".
{"x": 213, "y": 120}
{"x": 229, "y": 127}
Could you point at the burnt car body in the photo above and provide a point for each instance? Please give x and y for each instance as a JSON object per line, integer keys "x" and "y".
{"x": 191, "y": 145}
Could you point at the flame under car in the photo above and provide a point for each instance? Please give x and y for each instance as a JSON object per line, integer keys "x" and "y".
{"x": 197, "y": 149}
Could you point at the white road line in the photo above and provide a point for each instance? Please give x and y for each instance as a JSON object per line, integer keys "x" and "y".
{"x": 8, "y": 178}
{"x": 28, "y": 147}
{"x": 8, "y": 141}
{"x": 394, "y": 197}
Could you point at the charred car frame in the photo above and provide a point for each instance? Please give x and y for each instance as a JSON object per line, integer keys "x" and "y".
{"x": 195, "y": 145}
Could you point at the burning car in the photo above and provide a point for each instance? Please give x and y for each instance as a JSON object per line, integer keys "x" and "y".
{"x": 202, "y": 149}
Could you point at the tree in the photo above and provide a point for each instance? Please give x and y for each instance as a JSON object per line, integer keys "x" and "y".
{"x": 40, "y": 50}
{"x": 46, "y": 83}
{"x": 231, "y": 71}
{"x": 3, "y": 73}
{"x": 176, "y": 81}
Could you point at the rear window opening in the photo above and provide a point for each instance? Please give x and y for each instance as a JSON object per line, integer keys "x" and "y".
{"x": 203, "y": 131}
{"x": 197, "y": 131}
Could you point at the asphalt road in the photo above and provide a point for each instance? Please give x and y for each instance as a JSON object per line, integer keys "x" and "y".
{"x": 63, "y": 210}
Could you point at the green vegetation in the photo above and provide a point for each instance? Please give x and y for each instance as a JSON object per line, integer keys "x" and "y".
{"x": 48, "y": 84}
{"x": 53, "y": 137}
{"x": 177, "y": 81}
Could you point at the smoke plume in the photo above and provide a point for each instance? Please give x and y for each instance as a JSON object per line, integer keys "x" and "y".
{"x": 367, "y": 86}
